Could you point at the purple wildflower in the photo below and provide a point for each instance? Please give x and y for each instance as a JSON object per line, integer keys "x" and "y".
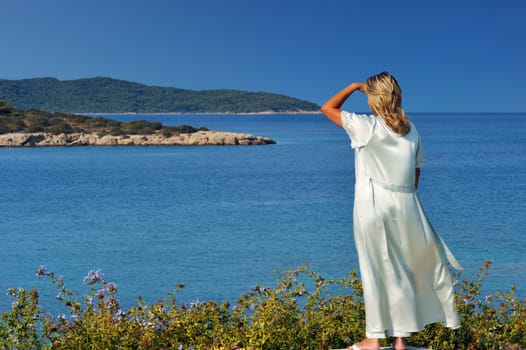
{"x": 102, "y": 292}
{"x": 118, "y": 316}
{"x": 470, "y": 302}
{"x": 94, "y": 276}
{"x": 108, "y": 289}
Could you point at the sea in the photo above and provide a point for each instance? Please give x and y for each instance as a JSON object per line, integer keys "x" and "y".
{"x": 222, "y": 219}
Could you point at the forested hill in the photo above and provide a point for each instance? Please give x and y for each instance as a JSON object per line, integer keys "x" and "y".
{"x": 118, "y": 96}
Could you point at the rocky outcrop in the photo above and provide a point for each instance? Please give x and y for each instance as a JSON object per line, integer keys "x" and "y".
{"x": 199, "y": 138}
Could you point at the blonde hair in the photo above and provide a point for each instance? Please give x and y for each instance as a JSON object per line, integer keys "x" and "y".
{"x": 385, "y": 100}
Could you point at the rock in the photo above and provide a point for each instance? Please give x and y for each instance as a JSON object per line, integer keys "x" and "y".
{"x": 32, "y": 140}
{"x": 200, "y": 138}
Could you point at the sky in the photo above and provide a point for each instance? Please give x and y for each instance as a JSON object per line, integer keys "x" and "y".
{"x": 448, "y": 55}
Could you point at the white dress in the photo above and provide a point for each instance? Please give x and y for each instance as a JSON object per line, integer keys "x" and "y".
{"x": 403, "y": 261}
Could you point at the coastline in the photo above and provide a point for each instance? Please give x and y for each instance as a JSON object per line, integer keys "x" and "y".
{"x": 202, "y": 113}
{"x": 199, "y": 138}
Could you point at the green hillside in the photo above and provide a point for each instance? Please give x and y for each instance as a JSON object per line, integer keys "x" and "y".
{"x": 118, "y": 96}
{"x": 31, "y": 121}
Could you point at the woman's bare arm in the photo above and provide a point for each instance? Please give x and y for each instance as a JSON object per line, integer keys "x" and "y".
{"x": 331, "y": 108}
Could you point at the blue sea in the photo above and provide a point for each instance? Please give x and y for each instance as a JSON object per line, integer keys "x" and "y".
{"x": 221, "y": 219}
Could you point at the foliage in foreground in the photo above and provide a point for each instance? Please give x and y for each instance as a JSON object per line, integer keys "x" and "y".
{"x": 303, "y": 311}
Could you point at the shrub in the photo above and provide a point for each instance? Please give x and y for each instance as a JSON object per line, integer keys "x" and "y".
{"x": 140, "y": 127}
{"x": 36, "y": 123}
{"x": 5, "y": 107}
{"x": 303, "y": 311}
{"x": 60, "y": 127}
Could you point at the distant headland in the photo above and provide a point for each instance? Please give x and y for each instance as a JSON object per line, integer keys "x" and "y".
{"x": 36, "y": 128}
{"x": 107, "y": 95}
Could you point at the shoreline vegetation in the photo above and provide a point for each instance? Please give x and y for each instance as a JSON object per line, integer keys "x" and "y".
{"x": 302, "y": 311}
{"x": 36, "y": 128}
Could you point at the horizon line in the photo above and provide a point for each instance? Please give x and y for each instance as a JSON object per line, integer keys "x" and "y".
{"x": 283, "y": 113}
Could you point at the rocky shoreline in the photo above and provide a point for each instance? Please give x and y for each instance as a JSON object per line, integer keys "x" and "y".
{"x": 199, "y": 138}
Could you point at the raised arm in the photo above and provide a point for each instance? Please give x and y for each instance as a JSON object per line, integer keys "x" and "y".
{"x": 331, "y": 108}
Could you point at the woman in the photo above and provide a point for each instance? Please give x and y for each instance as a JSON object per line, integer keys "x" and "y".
{"x": 403, "y": 261}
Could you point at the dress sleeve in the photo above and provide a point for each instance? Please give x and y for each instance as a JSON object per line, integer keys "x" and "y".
{"x": 420, "y": 156}
{"x": 359, "y": 127}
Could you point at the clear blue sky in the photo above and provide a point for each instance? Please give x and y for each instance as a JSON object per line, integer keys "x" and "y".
{"x": 449, "y": 55}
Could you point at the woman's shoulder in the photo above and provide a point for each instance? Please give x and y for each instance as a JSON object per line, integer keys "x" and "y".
{"x": 359, "y": 127}
{"x": 358, "y": 118}
{"x": 353, "y": 120}
{"x": 351, "y": 115}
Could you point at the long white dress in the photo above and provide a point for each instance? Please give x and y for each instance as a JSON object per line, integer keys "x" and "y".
{"x": 403, "y": 261}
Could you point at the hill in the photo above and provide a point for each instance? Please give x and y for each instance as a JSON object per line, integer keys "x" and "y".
{"x": 32, "y": 121}
{"x": 107, "y": 95}
{"x": 23, "y": 128}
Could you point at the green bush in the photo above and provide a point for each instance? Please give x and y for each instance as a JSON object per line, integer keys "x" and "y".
{"x": 36, "y": 123}
{"x": 303, "y": 311}
{"x": 168, "y": 131}
{"x": 60, "y": 127}
{"x": 5, "y": 107}
{"x": 140, "y": 127}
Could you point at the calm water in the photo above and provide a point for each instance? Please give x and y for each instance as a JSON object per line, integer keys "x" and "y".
{"x": 221, "y": 219}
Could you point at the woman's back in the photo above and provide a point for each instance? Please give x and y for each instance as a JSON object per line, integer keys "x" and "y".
{"x": 384, "y": 155}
